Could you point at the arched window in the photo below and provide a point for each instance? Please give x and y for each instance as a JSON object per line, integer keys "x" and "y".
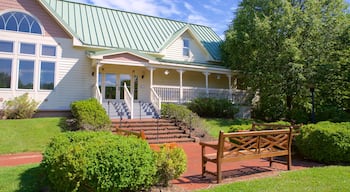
{"x": 18, "y": 21}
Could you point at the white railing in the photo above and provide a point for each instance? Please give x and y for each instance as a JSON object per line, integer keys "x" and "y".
{"x": 129, "y": 100}
{"x": 96, "y": 93}
{"x": 156, "y": 101}
{"x": 172, "y": 94}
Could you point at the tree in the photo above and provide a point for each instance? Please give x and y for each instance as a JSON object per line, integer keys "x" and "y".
{"x": 283, "y": 47}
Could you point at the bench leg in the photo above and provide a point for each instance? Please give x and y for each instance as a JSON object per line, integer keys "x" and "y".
{"x": 271, "y": 159}
{"x": 218, "y": 173}
{"x": 289, "y": 161}
{"x": 204, "y": 164}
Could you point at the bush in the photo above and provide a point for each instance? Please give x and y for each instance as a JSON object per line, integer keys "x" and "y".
{"x": 170, "y": 161}
{"x": 186, "y": 116}
{"x": 90, "y": 115}
{"x": 211, "y": 107}
{"x": 325, "y": 142}
{"x": 21, "y": 107}
{"x": 99, "y": 161}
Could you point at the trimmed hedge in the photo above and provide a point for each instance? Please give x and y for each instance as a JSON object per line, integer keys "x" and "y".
{"x": 99, "y": 161}
{"x": 90, "y": 115}
{"x": 211, "y": 107}
{"x": 325, "y": 142}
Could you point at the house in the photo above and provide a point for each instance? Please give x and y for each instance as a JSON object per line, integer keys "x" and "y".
{"x": 60, "y": 51}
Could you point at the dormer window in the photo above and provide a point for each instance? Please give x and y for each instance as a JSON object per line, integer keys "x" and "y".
{"x": 186, "y": 48}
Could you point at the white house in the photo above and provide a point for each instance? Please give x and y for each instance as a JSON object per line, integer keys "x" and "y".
{"x": 60, "y": 51}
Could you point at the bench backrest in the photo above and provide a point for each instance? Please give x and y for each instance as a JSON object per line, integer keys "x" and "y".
{"x": 254, "y": 142}
{"x": 269, "y": 126}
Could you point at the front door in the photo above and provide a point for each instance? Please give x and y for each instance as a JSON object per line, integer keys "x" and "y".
{"x": 112, "y": 85}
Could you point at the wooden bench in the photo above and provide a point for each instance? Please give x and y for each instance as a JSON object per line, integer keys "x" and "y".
{"x": 246, "y": 145}
{"x": 124, "y": 132}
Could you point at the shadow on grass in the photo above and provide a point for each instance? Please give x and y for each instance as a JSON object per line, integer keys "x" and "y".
{"x": 33, "y": 179}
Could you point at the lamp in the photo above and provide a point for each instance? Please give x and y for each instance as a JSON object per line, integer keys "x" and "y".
{"x": 143, "y": 75}
{"x": 166, "y": 72}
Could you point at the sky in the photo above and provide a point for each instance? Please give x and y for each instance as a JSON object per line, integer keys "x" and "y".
{"x": 217, "y": 14}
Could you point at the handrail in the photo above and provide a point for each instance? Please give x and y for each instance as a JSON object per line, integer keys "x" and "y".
{"x": 97, "y": 94}
{"x": 129, "y": 100}
{"x": 156, "y": 101}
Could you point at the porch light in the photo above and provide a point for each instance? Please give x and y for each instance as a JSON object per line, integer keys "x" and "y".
{"x": 166, "y": 72}
{"x": 218, "y": 77}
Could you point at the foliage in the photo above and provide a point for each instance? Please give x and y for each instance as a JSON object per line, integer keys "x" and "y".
{"x": 90, "y": 115}
{"x": 21, "y": 107}
{"x": 318, "y": 179}
{"x": 217, "y": 124}
{"x": 212, "y": 107}
{"x": 99, "y": 161}
{"x": 284, "y": 48}
{"x": 171, "y": 162}
{"x": 325, "y": 142}
{"x": 23, "y": 135}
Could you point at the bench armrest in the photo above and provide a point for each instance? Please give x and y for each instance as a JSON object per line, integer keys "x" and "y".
{"x": 211, "y": 144}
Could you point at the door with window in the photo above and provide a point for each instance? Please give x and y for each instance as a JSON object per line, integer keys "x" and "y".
{"x": 112, "y": 85}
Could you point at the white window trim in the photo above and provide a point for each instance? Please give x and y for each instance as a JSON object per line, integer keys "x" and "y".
{"x": 188, "y": 48}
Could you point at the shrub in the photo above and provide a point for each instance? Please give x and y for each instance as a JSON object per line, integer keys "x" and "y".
{"x": 21, "y": 107}
{"x": 325, "y": 142}
{"x": 90, "y": 115}
{"x": 186, "y": 116}
{"x": 211, "y": 107}
{"x": 170, "y": 161}
{"x": 98, "y": 161}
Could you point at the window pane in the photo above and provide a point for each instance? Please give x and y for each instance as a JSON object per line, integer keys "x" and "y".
{"x": 28, "y": 48}
{"x": 47, "y": 75}
{"x": 186, "y": 52}
{"x": 48, "y": 50}
{"x": 25, "y": 76}
{"x": 18, "y": 21}
{"x": 6, "y": 46}
{"x": 5, "y": 73}
{"x": 186, "y": 43}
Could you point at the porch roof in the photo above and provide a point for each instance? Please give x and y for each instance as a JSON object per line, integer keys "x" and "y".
{"x": 95, "y": 26}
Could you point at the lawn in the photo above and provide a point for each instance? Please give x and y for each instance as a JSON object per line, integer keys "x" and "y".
{"x": 216, "y": 124}
{"x": 321, "y": 179}
{"x": 27, "y": 134}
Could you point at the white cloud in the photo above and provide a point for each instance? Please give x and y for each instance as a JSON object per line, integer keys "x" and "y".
{"x": 213, "y": 9}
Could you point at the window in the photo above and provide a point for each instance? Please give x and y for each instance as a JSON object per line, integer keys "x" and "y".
{"x": 48, "y": 50}
{"x": 6, "y": 46}
{"x": 27, "y": 48}
{"x": 18, "y": 21}
{"x": 47, "y": 75}
{"x": 186, "y": 48}
{"x": 5, "y": 73}
{"x": 25, "y": 74}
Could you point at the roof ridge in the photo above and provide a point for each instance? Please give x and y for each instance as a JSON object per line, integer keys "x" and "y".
{"x": 134, "y": 13}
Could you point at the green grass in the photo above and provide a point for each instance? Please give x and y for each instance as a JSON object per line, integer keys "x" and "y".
{"x": 216, "y": 124}
{"x": 24, "y": 178}
{"x": 321, "y": 179}
{"x": 27, "y": 134}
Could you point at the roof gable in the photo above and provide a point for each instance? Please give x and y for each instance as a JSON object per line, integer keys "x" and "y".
{"x": 104, "y": 27}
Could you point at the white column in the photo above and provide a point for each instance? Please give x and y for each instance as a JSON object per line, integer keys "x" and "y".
{"x": 206, "y": 82}
{"x": 151, "y": 69}
{"x": 230, "y": 86}
{"x": 98, "y": 65}
{"x": 181, "y": 88}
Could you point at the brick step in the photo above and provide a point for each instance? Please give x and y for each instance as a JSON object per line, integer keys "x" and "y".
{"x": 172, "y": 131}
{"x": 150, "y": 128}
{"x": 141, "y": 120}
{"x": 144, "y": 125}
{"x": 164, "y": 136}
{"x": 173, "y": 140}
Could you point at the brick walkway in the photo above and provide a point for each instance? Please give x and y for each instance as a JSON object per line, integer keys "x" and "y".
{"x": 191, "y": 179}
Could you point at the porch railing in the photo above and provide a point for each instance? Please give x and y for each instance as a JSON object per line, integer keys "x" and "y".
{"x": 129, "y": 100}
{"x": 172, "y": 94}
{"x": 96, "y": 93}
{"x": 156, "y": 101}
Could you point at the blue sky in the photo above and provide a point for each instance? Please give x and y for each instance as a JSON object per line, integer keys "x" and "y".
{"x": 216, "y": 14}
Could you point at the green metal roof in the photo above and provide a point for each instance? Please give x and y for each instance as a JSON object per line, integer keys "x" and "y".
{"x": 105, "y": 27}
